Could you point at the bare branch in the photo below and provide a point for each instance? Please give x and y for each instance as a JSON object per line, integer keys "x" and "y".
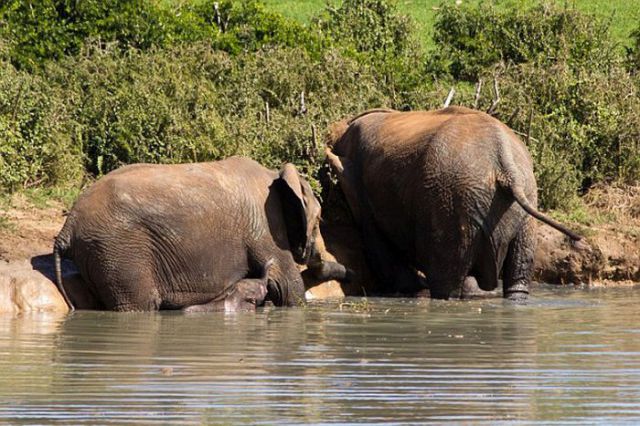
{"x": 526, "y": 136}
{"x": 449, "y": 97}
{"x": 314, "y": 139}
{"x": 512, "y": 116}
{"x": 496, "y": 100}
{"x": 477, "y": 98}
{"x": 303, "y": 108}
{"x": 529, "y": 126}
{"x": 266, "y": 112}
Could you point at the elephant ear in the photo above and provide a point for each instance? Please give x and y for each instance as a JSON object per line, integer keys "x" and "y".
{"x": 294, "y": 208}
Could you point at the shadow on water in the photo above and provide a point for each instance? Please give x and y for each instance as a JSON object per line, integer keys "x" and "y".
{"x": 566, "y": 356}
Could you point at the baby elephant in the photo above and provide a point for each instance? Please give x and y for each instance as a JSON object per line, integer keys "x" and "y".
{"x": 245, "y": 296}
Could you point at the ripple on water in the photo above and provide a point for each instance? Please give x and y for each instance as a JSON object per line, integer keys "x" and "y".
{"x": 566, "y": 357}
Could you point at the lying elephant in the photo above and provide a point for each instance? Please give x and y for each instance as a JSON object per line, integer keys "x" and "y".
{"x": 450, "y": 193}
{"x": 148, "y": 237}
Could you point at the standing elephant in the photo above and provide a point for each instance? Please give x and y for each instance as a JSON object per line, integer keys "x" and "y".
{"x": 204, "y": 236}
{"x": 449, "y": 193}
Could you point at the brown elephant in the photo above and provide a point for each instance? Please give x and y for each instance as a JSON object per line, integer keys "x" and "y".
{"x": 149, "y": 237}
{"x": 450, "y": 193}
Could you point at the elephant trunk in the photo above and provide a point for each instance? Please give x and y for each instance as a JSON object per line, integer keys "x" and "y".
{"x": 285, "y": 290}
{"x": 323, "y": 269}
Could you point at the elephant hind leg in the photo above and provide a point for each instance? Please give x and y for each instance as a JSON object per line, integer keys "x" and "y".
{"x": 518, "y": 265}
{"x": 131, "y": 291}
{"x": 447, "y": 274}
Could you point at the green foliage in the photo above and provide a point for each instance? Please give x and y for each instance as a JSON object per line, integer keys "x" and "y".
{"x": 88, "y": 86}
{"x": 248, "y": 26}
{"x": 473, "y": 37}
{"x": 38, "y": 31}
{"x": 36, "y": 147}
{"x": 376, "y": 34}
{"x": 633, "y": 52}
{"x": 50, "y": 29}
{"x": 561, "y": 82}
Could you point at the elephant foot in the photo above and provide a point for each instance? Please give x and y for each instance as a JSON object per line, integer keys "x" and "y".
{"x": 471, "y": 290}
{"x": 517, "y": 297}
{"x": 518, "y": 292}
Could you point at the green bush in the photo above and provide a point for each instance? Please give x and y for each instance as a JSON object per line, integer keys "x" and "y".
{"x": 38, "y": 31}
{"x": 377, "y": 35}
{"x": 36, "y": 147}
{"x": 181, "y": 104}
{"x": 583, "y": 125}
{"x": 50, "y": 29}
{"x": 471, "y": 38}
{"x": 89, "y": 86}
{"x": 633, "y": 52}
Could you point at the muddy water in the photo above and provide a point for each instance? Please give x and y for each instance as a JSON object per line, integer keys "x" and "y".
{"x": 567, "y": 356}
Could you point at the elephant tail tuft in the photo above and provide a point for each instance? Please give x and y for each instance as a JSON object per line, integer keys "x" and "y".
{"x": 60, "y": 246}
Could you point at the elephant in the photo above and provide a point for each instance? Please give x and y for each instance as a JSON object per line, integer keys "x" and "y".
{"x": 245, "y": 296}
{"x": 200, "y": 236}
{"x": 448, "y": 194}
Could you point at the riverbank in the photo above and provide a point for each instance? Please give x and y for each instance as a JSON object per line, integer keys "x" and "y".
{"x": 610, "y": 219}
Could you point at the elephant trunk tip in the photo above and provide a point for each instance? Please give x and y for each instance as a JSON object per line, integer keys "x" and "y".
{"x": 580, "y": 244}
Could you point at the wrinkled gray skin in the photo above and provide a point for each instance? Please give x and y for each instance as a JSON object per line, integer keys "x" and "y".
{"x": 450, "y": 193}
{"x": 148, "y": 237}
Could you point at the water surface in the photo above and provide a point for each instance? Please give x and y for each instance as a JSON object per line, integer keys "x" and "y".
{"x": 568, "y": 356}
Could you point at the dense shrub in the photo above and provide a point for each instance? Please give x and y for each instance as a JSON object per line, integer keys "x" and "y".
{"x": 88, "y": 86}
{"x": 35, "y": 145}
{"x": 583, "y": 126}
{"x": 37, "y": 31}
{"x": 473, "y": 37}
{"x": 634, "y": 51}
{"x": 50, "y": 29}
{"x": 192, "y": 103}
{"x": 377, "y": 35}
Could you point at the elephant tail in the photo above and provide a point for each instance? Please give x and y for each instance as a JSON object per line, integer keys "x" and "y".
{"x": 521, "y": 199}
{"x": 339, "y": 128}
{"x": 60, "y": 245}
{"x": 511, "y": 179}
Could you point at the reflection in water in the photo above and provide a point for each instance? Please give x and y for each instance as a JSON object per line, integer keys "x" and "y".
{"x": 566, "y": 356}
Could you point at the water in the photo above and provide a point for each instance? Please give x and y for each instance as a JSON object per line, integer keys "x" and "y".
{"x": 568, "y": 356}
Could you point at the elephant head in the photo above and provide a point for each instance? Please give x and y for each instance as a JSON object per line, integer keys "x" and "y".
{"x": 301, "y": 214}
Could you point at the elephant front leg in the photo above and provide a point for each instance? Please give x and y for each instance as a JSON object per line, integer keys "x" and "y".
{"x": 247, "y": 294}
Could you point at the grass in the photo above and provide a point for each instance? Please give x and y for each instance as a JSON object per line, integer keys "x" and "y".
{"x": 625, "y": 14}
{"x": 40, "y": 198}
